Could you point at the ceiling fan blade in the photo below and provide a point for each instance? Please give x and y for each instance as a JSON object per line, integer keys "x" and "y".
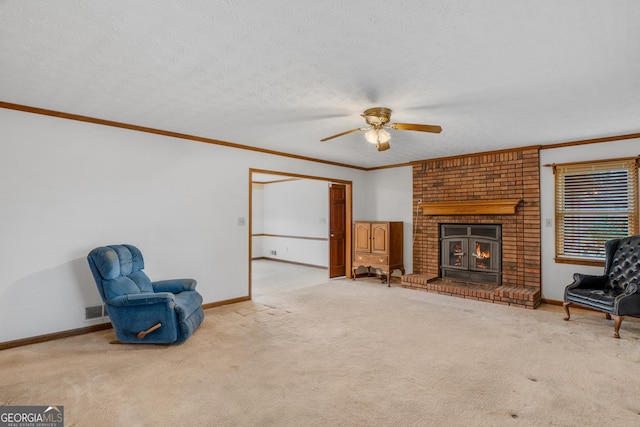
{"x": 343, "y": 133}
{"x": 419, "y": 128}
{"x": 383, "y": 146}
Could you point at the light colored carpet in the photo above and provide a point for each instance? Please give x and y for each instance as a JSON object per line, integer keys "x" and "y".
{"x": 345, "y": 353}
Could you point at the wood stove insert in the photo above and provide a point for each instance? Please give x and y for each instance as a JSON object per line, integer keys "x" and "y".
{"x": 471, "y": 252}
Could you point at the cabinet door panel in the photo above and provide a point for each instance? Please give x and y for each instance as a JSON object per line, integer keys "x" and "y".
{"x": 379, "y": 239}
{"x": 362, "y": 241}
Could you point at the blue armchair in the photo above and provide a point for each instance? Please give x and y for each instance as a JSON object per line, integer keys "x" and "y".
{"x": 142, "y": 311}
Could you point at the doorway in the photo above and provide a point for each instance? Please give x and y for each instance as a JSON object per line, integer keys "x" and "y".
{"x": 287, "y": 241}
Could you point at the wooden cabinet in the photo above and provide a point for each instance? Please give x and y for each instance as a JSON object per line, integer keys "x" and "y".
{"x": 378, "y": 245}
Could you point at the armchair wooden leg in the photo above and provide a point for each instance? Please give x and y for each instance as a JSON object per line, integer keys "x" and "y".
{"x": 565, "y": 305}
{"x": 142, "y": 334}
{"x": 607, "y": 316}
{"x": 617, "y": 320}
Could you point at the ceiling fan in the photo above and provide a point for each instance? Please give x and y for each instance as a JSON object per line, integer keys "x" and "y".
{"x": 377, "y": 118}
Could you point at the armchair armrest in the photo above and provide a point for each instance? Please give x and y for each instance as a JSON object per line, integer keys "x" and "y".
{"x": 142, "y": 299}
{"x": 632, "y": 288}
{"x": 587, "y": 281}
{"x": 174, "y": 285}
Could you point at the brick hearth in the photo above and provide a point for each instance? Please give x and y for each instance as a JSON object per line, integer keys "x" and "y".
{"x": 495, "y": 176}
{"x": 527, "y": 297}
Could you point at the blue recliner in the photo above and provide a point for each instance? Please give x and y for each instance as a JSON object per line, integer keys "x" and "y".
{"x": 141, "y": 311}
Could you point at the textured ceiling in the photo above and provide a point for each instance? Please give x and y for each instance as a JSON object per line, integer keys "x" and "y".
{"x": 281, "y": 75}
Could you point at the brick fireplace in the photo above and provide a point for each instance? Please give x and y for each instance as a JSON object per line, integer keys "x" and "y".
{"x": 497, "y": 189}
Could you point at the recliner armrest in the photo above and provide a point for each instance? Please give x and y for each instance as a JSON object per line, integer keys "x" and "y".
{"x": 142, "y": 299}
{"x": 174, "y": 285}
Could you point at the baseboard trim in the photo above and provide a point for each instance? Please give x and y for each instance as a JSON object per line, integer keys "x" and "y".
{"x": 582, "y": 307}
{"x": 556, "y": 302}
{"x": 225, "y": 302}
{"x": 54, "y": 336}
{"x": 291, "y": 262}
{"x": 95, "y": 328}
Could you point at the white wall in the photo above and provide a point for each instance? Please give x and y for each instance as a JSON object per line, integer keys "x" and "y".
{"x": 390, "y": 196}
{"x": 555, "y": 277}
{"x": 296, "y": 208}
{"x": 67, "y": 187}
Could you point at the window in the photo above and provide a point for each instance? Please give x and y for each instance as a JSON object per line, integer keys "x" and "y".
{"x": 595, "y": 202}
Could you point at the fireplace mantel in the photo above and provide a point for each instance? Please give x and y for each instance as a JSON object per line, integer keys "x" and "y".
{"x": 472, "y": 207}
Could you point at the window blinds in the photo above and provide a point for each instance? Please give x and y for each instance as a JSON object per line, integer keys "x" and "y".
{"x": 594, "y": 203}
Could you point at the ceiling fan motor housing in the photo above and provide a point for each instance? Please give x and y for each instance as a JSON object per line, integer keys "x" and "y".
{"x": 377, "y": 116}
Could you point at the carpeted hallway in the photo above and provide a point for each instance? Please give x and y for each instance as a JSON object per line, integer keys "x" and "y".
{"x": 345, "y": 353}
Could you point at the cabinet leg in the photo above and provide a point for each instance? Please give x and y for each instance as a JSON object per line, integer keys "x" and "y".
{"x": 385, "y": 277}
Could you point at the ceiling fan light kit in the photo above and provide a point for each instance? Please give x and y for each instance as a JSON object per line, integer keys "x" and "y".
{"x": 379, "y": 137}
{"x": 377, "y": 119}
{"x": 376, "y": 136}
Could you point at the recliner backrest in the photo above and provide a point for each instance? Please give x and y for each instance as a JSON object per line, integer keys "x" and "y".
{"x": 117, "y": 270}
{"x": 624, "y": 266}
